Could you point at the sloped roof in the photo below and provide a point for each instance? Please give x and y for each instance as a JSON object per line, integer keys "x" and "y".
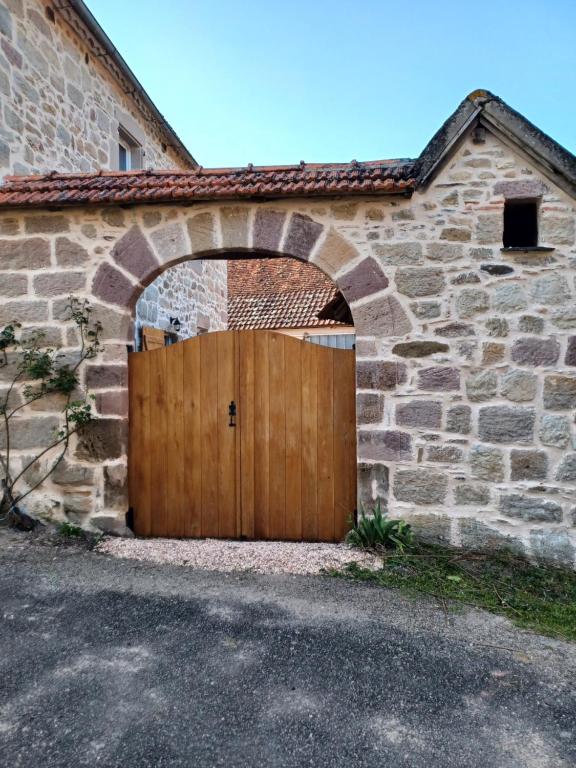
{"x": 277, "y": 293}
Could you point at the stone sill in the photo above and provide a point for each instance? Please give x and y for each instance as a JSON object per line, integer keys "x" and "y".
{"x": 533, "y": 249}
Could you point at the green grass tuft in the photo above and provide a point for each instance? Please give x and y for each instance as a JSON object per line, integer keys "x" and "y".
{"x": 542, "y": 599}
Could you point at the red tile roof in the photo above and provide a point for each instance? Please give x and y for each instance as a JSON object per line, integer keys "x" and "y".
{"x": 114, "y": 187}
{"x": 277, "y": 293}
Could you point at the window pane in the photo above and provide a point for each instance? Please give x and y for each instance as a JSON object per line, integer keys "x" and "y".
{"x": 520, "y": 224}
{"x": 122, "y": 158}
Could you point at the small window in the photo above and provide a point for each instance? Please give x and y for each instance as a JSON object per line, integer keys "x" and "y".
{"x": 129, "y": 152}
{"x": 520, "y": 224}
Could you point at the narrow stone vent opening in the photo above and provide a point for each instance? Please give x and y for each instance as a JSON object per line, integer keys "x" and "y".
{"x": 520, "y": 224}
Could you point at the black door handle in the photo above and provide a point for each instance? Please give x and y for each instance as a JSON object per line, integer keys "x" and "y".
{"x": 232, "y": 414}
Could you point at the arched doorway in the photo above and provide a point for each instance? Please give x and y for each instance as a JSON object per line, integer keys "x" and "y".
{"x": 248, "y": 432}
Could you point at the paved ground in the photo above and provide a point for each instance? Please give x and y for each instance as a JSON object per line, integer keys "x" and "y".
{"x": 122, "y": 664}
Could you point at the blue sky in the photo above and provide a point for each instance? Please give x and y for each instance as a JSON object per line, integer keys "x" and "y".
{"x": 266, "y": 82}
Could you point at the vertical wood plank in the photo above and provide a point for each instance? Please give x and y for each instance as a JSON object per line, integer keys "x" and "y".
{"x": 309, "y": 441}
{"x": 209, "y": 432}
{"x": 158, "y": 441}
{"x": 226, "y": 480}
{"x": 174, "y": 424}
{"x": 277, "y": 457}
{"x": 246, "y": 420}
{"x": 261, "y": 436}
{"x": 192, "y": 409}
{"x": 139, "y": 445}
{"x": 325, "y": 444}
{"x": 344, "y": 441}
{"x": 293, "y": 408}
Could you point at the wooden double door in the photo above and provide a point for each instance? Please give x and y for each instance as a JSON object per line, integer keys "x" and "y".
{"x": 243, "y": 434}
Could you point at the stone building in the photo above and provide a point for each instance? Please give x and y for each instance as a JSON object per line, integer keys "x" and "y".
{"x": 70, "y": 103}
{"x": 459, "y": 269}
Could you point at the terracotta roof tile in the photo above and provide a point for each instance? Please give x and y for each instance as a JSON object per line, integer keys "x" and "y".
{"x": 114, "y": 187}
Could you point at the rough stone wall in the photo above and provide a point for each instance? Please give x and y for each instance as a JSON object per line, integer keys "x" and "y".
{"x": 466, "y": 364}
{"x": 195, "y": 292}
{"x": 61, "y": 107}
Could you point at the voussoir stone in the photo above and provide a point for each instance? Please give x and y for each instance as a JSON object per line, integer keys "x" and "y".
{"x": 519, "y": 386}
{"x": 378, "y": 374}
{"x": 559, "y": 392}
{"x": 420, "y": 486}
{"x": 334, "y": 253}
{"x": 31, "y": 253}
{"x": 112, "y": 286}
{"x": 482, "y": 386}
{"x": 439, "y": 378}
{"x": 135, "y": 255}
{"x": 70, "y": 253}
{"x": 528, "y": 464}
{"x": 268, "y": 226}
{"x": 530, "y": 508}
{"x": 170, "y": 243}
{"x": 384, "y": 445}
{"x": 534, "y": 351}
{"x": 487, "y": 463}
{"x": 364, "y": 279}
{"x": 505, "y": 424}
{"x": 420, "y": 281}
{"x": 234, "y": 225}
{"x": 567, "y": 469}
{"x": 383, "y": 316}
{"x": 555, "y": 430}
{"x": 202, "y": 233}
{"x": 419, "y": 348}
{"x": 303, "y": 232}
{"x": 424, "y": 414}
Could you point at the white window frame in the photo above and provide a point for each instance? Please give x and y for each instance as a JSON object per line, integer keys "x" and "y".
{"x": 133, "y": 149}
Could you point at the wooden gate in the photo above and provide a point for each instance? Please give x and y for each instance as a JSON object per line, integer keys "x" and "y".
{"x": 282, "y": 468}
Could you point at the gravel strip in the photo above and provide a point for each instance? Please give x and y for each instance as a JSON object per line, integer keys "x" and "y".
{"x": 254, "y": 556}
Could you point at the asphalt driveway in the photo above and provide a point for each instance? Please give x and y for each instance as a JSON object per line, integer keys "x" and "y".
{"x": 122, "y": 664}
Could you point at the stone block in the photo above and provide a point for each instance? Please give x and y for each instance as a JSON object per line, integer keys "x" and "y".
{"x": 113, "y": 287}
{"x": 234, "y": 224}
{"x": 552, "y": 547}
{"x": 530, "y": 508}
{"x": 564, "y": 318}
{"x": 426, "y": 310}
{"x": 202, "y": 233}
{"x": 106, "y": 376}
{"x": 364, "y": 279}
{"x": 455, "y": 330}
{"x": 439, "y": 379}
{"x": 458, "y": 419}
{"x": 550, "y": 290}
{"x": 555, "y": 430}
{"x": 557, "y": 230}
{"x": 334, "y": 253}
{"x": 471, "y": 495}
{"x": 420, "y": 281}
{"x": 445, "y": 454}
{"x": 372, "y": 485}
{"x": 419, "y": 348}
{"x": 102, "y": 440}
{"x": 430, "y": 528}
{"x": 30, "y": 253}
{"x": 70, "y": 254}
{"x": 170, "y": 243}
{"x": 31, "y": 432}
{"x": 268, "y": 226}
{"x": 492, "y": 353}
{"x": 487, "y": 463}
{"x": 566, "y": 472}
{"x": 559, "y": 392}
{"x": 531, "y": 324}
{"x": 116, "y": 486}
{"x": 472, "y": 301}
{"x": 497, "y": 270}
{"x": 528, "y": 465}
{"x": 23, "y": 312}
{"x": 490, "y": 228}
{"x": 476, "y": 535}
{"x": 444, "y": 252}
{"x": 369, "y": 408}
{"x": 78, "y": 506}
{"x": 482, "y": 386}
{"x": 383, "y": 316}
{"x": 570, "y": 358}
{"x": 59, "y": 283}
{"x": 505, "y": 424}
{"x": 303, "y": 233}
{"x": 46, "y": 223}
{"x": 134, "y": 254}
{"x": 497, "y": 327}
{"x": 378, "y": 374}
{"x": 519, "y": 386}
{"x": 420, "y": 486}
{"x": 384, "y": 445}
{"x": 398, "y": 254}
{"x": 535, "y": 351}
{"x": 509, "y": 297}
{"x": 423, "y": 414}
{"x": 13, "y": 285}
{"x": 112, "y": 403}
{"x": 465, "y": 278}
{"x": 67, "y": 473}
{"x": 456, "y": 234}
